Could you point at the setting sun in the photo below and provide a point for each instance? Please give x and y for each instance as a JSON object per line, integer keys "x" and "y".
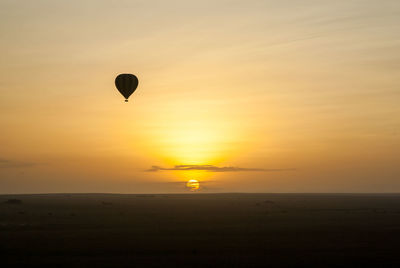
{"x": 193, "y": 185}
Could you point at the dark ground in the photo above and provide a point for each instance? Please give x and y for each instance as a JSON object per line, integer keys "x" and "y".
{"x": 200, "y": 230}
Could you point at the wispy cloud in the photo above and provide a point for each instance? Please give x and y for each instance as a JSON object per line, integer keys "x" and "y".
{"x": 6, "y": 163}
{"x": 211, "y": 168}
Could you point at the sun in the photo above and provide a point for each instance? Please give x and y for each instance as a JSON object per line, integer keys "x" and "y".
{"x": 193, "y": 185}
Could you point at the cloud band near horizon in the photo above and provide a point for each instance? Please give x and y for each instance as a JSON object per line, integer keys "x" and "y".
{"x": 211, "y": 168}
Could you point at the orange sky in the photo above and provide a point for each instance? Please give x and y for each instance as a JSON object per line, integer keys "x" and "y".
{"x": 310, "y": 86}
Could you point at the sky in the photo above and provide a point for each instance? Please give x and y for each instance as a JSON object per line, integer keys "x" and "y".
{"x": 243, "y": 96}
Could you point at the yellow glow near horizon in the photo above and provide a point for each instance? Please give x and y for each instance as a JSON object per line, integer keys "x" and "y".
{"x": 191, "y": 139}
{"x": 192, "y": 145}
{"x": 199, "y": 174}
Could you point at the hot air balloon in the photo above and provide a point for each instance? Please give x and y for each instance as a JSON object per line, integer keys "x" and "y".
{"x": 126, "y": 84}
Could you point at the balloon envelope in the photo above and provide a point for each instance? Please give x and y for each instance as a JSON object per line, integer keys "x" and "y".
{"x": 126, "y": 84}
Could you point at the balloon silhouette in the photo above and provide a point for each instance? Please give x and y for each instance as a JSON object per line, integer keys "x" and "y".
{"x": 126, "y": 84}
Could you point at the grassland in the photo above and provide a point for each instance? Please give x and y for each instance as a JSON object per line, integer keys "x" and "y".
{"x": 200, "y": 230}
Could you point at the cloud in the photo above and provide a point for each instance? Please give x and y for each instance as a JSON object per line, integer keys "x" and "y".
{"x": 211, "y": 168}
{"x": 6, "y": 163}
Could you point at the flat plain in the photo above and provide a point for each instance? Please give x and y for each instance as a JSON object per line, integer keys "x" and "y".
{"x": 200, "y": 230}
